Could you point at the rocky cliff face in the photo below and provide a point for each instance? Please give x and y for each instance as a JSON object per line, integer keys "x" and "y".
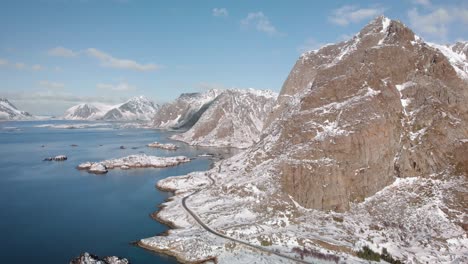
{"x": 366, "y": 145}
{"x": 234, "y": 119}
{"x": 355, "y": 115}
{"x": 9, "y": 112}
{"x": 185, "y": 111}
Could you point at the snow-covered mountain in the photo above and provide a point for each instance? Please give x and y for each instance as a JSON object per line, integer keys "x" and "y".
{"x": 457, "y": 54}
{"x": 135, "y": 109}
{"x": 367, "y": 145}
{"x": 234, "y": 119}
{"x": 86, "y": 111}
{"x": 185, "y": 111}
{"x": 9, "y": 112}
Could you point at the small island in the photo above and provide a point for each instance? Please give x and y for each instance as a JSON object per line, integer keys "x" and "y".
{"x": 132, "y": 161}
{"x": 162, "y": 146}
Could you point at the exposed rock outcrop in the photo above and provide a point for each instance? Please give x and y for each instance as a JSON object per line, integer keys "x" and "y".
{"x": 56, "y": 158}
{"x": 87, "y": 258}
{"x": 355, "y": 115}
{"x": 234, "y": 119}
{"x": 367, "y": 145}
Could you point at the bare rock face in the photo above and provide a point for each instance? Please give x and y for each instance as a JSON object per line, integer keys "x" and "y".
{"x": 234, "y": 119}
{"x": 185, "y": 111}
{"x": 354, "y": 115}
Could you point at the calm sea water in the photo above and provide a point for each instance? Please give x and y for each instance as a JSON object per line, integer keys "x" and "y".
{"x": 50, "y": 212}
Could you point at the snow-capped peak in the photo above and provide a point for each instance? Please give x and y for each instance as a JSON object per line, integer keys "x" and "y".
{"x": 9, "y": 112}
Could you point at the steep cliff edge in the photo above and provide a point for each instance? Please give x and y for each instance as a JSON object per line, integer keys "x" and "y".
{"x": 353, "y": 116}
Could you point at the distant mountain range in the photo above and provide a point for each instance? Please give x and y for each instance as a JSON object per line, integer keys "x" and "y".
{"x": 9, "y": 112}
{"x": 135, "y": 109}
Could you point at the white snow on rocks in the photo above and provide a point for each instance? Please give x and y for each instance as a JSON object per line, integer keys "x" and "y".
{"x": 133, "y": 161}
{"x": 459, "y": 61}
{"x": 162, "y": 146}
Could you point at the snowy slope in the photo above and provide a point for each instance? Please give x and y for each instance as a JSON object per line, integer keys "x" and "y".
{"x": 235, "y": 119}
{"x": 91, "y": 111}
{"x": 9, "y": 112}
{"x": 136, "y": 108}
{"x": 185, "y": 111}
{"x": 457, "y": 56}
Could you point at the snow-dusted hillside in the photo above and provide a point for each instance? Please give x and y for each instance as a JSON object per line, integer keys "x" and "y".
{"x": 136, "y": 109}
{"x": 9, "y": 112}
{"x": 234, "y": 119}
{"x": 367, "y": 145}
{"x": 86, "y": 111}
{"x": 457, "y": 54}
{"x": 185, "y": 111}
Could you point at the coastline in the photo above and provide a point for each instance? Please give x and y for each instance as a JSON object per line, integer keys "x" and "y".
{"x": 172, "y": 226}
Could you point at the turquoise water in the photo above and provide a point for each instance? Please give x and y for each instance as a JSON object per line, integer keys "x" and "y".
{"x": 50, "y": 212}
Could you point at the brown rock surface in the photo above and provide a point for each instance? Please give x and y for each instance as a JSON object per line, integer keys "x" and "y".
{"x": 353, "y": 116}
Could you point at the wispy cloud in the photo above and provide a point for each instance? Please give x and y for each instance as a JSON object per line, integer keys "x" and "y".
{"x": 108, "y": 60}
{"x": 220, "y": 12}
{"x": 422, "y": 2}
{"x": 21, "y": 65}
{"x": 51, "y": 85}
{"x": 37, "y": 67}
{"x": 349, "y": 14}
{"x": 119, "y": 87}
{"x": 62, "y": 52}
{"x": 436, "y": 22}
{"x": 260, "y": 22}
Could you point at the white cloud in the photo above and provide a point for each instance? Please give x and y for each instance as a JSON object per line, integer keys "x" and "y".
{"x": 437, "y": 21}
{"x": 108, "y": 60}
{"x": 220, "y": 12}
{"x": 3, "y": 62}
{"x": 20, "y": 66}
{"x": 51, "y": 85}
{"x": 348, "y": 14}
{"x": 62, "y": 52}
{"x": 37, "y": 67}
{"x": 119, "y": 87}
{"x": 260, "y": 22}
{"x": 310, "y": 44}
{"x": 422, "y": 2}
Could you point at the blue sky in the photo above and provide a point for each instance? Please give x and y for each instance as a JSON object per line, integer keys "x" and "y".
{"x": 56, "y": 53}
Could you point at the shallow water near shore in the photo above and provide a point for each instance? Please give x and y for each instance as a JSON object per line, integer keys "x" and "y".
{"x": 50, "y": 212}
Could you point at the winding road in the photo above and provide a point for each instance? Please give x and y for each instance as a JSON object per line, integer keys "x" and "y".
{"x": 207, "y": 228}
